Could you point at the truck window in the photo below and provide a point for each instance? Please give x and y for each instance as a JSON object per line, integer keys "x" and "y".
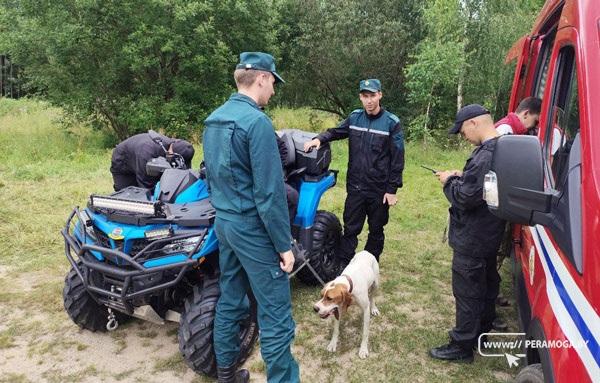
{"x": 543, "y": 63}
{"x": 562, "y": 145}
{"x": 565, "y": 119}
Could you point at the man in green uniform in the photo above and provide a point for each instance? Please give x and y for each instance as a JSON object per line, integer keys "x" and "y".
{"x": 245, "y": 177}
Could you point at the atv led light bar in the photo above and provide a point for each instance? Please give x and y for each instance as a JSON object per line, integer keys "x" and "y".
{"x": 141, "y": 207}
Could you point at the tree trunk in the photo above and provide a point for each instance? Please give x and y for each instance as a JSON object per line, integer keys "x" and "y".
{"x": 427, "y": 115}
{"x": 121, "y": 130}
{"x": 459, "y": 91}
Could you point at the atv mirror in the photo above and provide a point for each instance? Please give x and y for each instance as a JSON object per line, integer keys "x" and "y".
{"x": 156, "y": 166}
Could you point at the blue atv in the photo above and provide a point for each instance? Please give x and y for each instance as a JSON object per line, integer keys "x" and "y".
{"x": 153, "y": 254}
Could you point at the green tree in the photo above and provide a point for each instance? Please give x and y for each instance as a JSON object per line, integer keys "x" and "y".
{"x": 133, "y": 65}
{"x": 437, "y": 66}
{"x": 489, "y": 77}
{"x": 461, "y": 60}
{"x": 328, "y": 46}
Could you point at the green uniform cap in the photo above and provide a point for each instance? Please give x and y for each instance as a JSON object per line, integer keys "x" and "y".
{"x": 259, "y": 61}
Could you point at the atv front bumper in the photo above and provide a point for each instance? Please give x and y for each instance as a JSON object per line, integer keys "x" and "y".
{"x": 121, "y": 281}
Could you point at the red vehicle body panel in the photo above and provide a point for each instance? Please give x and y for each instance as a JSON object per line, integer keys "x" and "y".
{"x": 577, "y": 25}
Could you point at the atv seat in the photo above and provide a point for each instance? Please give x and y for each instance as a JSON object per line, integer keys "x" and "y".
{"x": 314, "y": 165}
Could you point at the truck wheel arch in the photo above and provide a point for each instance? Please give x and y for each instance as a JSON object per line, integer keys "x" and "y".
{"x": 541, "y": 355}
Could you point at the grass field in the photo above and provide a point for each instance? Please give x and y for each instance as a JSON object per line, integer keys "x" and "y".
{"x": 46, "y": 169}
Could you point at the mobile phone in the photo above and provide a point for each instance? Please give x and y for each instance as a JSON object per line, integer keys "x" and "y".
{"x": 430, "y": 169}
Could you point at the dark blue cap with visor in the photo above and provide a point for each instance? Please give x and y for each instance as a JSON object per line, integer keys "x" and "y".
{"x": 466, "y": 113}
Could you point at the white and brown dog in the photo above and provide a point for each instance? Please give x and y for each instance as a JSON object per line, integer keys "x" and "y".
{"x": 357, "y": 284}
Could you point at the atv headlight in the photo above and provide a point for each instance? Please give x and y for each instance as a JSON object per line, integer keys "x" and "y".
{"x": 84, "y": 224}
{"x": 490, "y": 189}
{"x": 182, "y": 245}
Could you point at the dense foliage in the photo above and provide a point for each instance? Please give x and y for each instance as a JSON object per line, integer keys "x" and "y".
{"x": 131, "y": 65}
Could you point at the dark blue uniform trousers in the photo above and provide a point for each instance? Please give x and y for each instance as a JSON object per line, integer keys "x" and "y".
{"x": 358, "y": 206}
{"x": 475, "y": 285}
{"x": 248, "y": 260}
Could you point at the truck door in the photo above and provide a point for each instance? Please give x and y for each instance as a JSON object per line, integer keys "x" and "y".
{"x": 560, "y": 243}
{"x": 561, "y": 143}
{"x": 521, "y": 52}
{"x": 532, "y": 82}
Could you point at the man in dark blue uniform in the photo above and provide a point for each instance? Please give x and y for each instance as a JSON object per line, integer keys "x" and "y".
{"x": 292, "y": 195}
{"x": 245, "y": 177}
{"x": 475, "y": 235}
{"x": 129, "y": 158}
{"x": 375, "y": 165}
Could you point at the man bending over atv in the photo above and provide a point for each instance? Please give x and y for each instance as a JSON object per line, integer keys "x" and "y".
{"x": 129, "y": 158}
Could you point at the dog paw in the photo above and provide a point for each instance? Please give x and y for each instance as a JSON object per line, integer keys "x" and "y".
{"x": 332, "y": 347}
{"x": 363, "y": 353}
{"x": 375, "y": 312}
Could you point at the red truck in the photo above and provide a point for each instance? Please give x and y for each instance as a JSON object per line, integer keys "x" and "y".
{"x": 549, "y": 188}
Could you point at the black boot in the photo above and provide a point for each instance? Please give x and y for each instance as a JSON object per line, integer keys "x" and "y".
{"x": 230, "y": 375}
{"x": 452, "y": 352}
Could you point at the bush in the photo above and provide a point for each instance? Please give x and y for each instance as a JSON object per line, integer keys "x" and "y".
{"x": 165, "y": 67}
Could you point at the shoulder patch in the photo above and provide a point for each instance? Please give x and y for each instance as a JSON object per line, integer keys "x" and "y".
{"x": 356, "y": 111}
{"x": 393, "y": 117}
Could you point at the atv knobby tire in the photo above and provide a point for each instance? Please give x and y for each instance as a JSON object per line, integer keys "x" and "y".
{"x": 82, "y": 308}
{"x": 196, "y": 328}
{"x": 325, "y": 240}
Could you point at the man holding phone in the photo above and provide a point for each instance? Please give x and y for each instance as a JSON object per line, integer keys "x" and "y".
{"x": 474, "y": 236}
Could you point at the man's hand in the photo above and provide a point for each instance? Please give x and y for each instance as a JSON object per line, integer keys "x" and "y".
{"x": 443, "y": 176}
{"x": 390, "y": 199}
{"x": 287, "y": 261}
{"x": 314, "y": 143}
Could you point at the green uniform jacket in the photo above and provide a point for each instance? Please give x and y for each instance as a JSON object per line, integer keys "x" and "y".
{"x": 243, "y": 168}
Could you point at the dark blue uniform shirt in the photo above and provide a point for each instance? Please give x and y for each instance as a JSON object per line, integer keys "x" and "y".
{"x": 376, "y": 157}
{"x": 474, "y": 230}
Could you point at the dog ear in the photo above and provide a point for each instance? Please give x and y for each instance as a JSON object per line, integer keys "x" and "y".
{"x": 324, "y": 290}
{"x": 346, "y": 300}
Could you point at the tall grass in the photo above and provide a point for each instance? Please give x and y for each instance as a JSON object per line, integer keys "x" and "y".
{"x": 45, "y": 169}
{"x": 36, "y": 145}
{"x": 303, "y": 119}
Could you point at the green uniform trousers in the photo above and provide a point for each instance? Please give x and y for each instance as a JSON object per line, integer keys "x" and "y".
{"x": 248, "y": 260}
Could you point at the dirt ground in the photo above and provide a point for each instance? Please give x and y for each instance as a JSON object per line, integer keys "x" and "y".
{"x": 41, "y": 344}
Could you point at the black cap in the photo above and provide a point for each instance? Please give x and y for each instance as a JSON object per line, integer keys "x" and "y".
{"x": 184, "y": 148}
{"x": 466, "y": 113}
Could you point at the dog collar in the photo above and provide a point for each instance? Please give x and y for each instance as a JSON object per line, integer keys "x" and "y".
{"x": 349, "y": 282}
